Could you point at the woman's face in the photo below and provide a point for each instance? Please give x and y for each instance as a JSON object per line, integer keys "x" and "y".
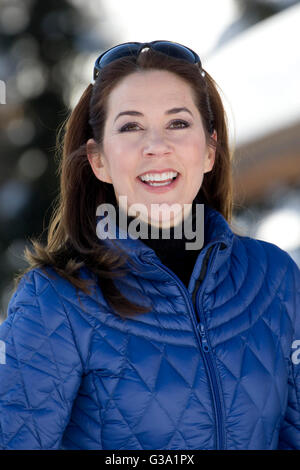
{"x": 153, "y": 127}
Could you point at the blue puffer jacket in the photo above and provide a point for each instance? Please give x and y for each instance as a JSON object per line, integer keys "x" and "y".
{"x": 214, "y": 366}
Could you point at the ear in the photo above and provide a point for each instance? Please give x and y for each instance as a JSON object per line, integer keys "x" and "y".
{"x": 97, "y": 162}
{"x": 211, "y": 155}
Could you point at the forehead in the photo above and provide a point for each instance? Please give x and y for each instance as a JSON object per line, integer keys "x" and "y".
{"x": 148, "y": 88}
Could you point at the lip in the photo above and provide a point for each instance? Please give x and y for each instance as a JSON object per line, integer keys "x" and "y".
{"x": 158, "y": 171}
{"x": 160, "y": 189}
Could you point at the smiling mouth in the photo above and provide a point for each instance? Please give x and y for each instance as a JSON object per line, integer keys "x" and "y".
{"x": 157, "y": 180}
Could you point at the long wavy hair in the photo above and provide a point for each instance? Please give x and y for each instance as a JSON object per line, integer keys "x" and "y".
{"x": 72, "y": 241}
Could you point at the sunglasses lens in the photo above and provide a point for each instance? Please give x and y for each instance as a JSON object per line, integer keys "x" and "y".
{"x": 131, "y": 49}
{"x": 115, "y": 53}
{"x": 176, "y": 50}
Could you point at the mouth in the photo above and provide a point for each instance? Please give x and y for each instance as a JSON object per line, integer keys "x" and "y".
{"x": 159, "y": 182}
{"x": 159, "y": 179}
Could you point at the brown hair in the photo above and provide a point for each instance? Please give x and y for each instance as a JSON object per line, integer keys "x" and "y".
{"x": 72, "y": 239}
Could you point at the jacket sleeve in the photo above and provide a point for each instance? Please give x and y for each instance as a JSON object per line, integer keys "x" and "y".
{"x": 289, "y": 435}
{"x": 40, "y": 367}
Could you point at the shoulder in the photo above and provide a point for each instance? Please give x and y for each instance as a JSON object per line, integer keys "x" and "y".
{"x": 45, "y": 287}
{"x": 37, "y": 293}
{"x": 47, "y": 306}
{"x": 264, "y": 252}
{"x": 34, "y": 285}
{"x": 279, "y": 267}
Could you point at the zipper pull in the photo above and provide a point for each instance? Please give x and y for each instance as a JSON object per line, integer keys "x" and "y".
{"x": 204, "y": 342}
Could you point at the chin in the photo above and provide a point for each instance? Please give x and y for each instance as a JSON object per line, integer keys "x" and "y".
{"x": 163, "y": 213}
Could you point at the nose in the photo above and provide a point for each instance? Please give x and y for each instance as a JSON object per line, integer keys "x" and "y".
{"x": 156, "y": 144}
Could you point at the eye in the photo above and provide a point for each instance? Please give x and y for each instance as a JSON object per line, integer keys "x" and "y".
{"x": 128, "y": 127}
{"x": 132, "y": 126}
{"x": 180, "y": 124}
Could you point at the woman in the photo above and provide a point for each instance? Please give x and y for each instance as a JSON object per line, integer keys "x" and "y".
{"x": 126, "y": 342}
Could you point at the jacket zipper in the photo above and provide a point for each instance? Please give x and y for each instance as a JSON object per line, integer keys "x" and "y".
{"x": 204, "y": 345}
{"x": 213, "y": 375}
{"x": 214, "y": 385}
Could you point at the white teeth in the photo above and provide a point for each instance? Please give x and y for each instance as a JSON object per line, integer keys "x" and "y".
{"x": 159, "y": 176}
{"x": 160, "y": 184}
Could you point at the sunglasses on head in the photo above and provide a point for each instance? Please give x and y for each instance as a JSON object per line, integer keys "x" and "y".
{"x": 133, "y": 49}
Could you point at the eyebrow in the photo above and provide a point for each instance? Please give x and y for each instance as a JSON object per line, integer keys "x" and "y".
{"x": 137, "y": 113}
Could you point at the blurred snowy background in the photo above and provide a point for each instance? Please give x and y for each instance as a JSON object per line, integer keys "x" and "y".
{"x": 250, "y": 47}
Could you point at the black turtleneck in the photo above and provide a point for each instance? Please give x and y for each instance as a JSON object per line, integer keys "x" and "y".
{"x": 175, "y": 256}
{"x": 172, "y": 251}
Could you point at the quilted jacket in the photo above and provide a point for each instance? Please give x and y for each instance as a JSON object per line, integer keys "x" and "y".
{"x": 212, "y": 366}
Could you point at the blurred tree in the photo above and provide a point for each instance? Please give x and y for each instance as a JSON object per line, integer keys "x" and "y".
{"x": 39, "y": 41}
{"x": 254, "y": 11}
{"x": 251, "y": 12}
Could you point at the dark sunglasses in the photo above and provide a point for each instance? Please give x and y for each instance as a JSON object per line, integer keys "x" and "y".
{"x": 133, "y": 49}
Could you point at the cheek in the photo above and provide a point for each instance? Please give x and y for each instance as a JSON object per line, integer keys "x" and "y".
{"x": 195, "y": 153}
{"x": 195, "y": 166}
{"x": 123, "y": 172}
{"x": 121, "y": 160}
